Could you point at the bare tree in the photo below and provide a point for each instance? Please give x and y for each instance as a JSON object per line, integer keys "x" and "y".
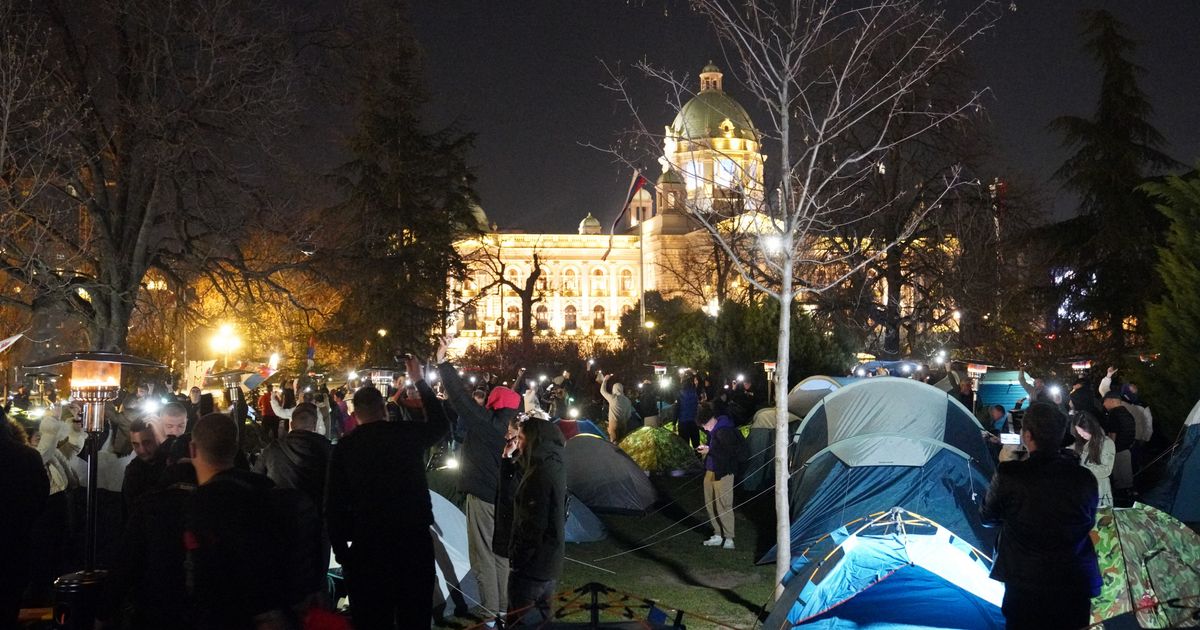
{"x": 151, "y": 155}
{"x": 826, "y": 73}
{"x": 530, "y": 290}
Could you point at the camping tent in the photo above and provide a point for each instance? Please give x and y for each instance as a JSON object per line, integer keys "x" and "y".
{"x": 1145, "y": 555}
{"x": 605, "y": 478}
{"x": 884, "y": 442}
{"x": 761, "y": 442}
{"x": 571, "y": 428}
{"x": 806, "y": 393}
{"x": 457, "y": 589}
{"x": 895, "y": 570}
{"x": 583, "y": 526}
{"x": 658, "y": 450}
{"x": 1000, "y": 387}
{"x": 1179, "y": 493}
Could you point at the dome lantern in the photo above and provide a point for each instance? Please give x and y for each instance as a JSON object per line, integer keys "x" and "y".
{"x": 590, "y": 225}
{"x": 710, "y": 78}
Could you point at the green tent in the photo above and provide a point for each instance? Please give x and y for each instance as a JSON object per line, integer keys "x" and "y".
{"x": 1151, "y": 568}
{"x": 658, "y": 450}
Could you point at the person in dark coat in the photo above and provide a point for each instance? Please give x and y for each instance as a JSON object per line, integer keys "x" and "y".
{"x": 237, "y": 564}
{"x": 142, "y": 474}
{"x": 378, "y": 511}
{"x": 24, "y": 490}
{"x": 1046, "y": 507}
{"x": 720, "y": 465}
{"x": 685, "y": 410}
{"x": 1121, "y": 428}
{"x": 510, "y": 478}
{"x": 539, "y": 518}
{"x": 479, "y": 476}
{"x": 299, "y": 459}
{"x": 148, "y": 583}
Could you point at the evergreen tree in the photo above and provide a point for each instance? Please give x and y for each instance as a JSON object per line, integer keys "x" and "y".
{"x": 1174, "y": 322}
{"x": 409, "y": 197}
{"x": 1110, "y": 247}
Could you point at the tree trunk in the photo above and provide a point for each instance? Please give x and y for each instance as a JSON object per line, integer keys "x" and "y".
{"x": 783, "y": 516}
{"x": 892, "y": 316}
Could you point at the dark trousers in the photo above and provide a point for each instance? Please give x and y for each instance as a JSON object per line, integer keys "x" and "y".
{"x": 270, "y": 426}
{"x": 14, "y": 576}
{"x": 1042, "y": 610}
{"x": 529, "y": 600}
{"x": 690, "y": 433}
{"x": 392, "y": 588}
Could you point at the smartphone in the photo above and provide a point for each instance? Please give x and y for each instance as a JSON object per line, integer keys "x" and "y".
{"x": 1010, "y": 438}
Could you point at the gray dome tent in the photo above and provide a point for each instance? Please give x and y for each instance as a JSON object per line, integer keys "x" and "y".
{"x": 759, "y": 467}
{"x": 808, "y": 392}
{"x": 605, "y": 478}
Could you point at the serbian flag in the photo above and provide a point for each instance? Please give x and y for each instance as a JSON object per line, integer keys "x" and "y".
{"x": 7, "y": 343}
{"x": 636, "y": 183}
{"x": 312, "y": 348}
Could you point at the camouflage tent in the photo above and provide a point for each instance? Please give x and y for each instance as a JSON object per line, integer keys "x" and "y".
{"x": 658, "y": 450}
{"x": 1151, "y": 568}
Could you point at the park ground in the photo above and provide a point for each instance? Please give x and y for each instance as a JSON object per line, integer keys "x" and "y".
{"x": 661, "y": 559}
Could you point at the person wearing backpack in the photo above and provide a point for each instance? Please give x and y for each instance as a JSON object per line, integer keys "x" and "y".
{"x": 721, "y": 456}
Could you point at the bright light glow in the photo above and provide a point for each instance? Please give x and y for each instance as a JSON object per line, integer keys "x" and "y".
{"x": 939, "y": 360}
{"x": 273, "y": 362}
{"x": 225, "y": 340}
{"x": 151, "y": 405}
{"x": 472, "y": 379}
{"x": 941, "y": 353}
{"x": 307, "y": 389}
{"x": 741, "y": 377}
{"x": 860, "y": 372}
{"x": 682, "y": 370}
{"x": 957, "y": 314}
{"x": 573, "y": 412}
{"x": 542, "y": 378}
{"x": 649, "y": 325}
{"x": 451, "y": 462}
{"x": 461, "y": 373}
{"x": 906, "y": 368}
{"x": 712, "y": 308}
{"x": 352, "y": 375}
{"x": 1055, "y": 390}
{"x": 591, "y": 362}
{"x": 772, "y": 244}
{"x": 382, "y": 332}
{"x": 36, "y": 412}
{"x": 408, "y": 382}
{"x": 640, "y": 385}
{"x": 664, "y": 383}
{"x": 432, "y": 376}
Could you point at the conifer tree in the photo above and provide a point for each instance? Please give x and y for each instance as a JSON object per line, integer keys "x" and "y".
{"x": 1110, "y": 247}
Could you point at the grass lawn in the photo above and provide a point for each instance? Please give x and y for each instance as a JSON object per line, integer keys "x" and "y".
{"x": 676, "y": 571}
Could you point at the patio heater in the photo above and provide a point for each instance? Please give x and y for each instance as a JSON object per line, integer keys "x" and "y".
{"x": 95, "y": 382}
{"x": 769, "y": 368}
{"x": 380, "y": 377}
{"x": 231, "y": 380}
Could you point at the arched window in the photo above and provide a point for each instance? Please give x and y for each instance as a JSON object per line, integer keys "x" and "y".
{"x": 569, "y": 318}
{"x": 543, "y": 317}
{"x": 626, "y": 282}
{"x": 470, "y": 317}
{"x": 599, "y": 283}
{"x": 511, "y": 276}
{"x": 514, "y": 318}
{"x": 598, "y": 318}
{"x": 569, "y": 286}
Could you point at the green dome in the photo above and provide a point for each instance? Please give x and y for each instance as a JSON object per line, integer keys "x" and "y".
{"x": 711, "y": 67}
{"x": 671, "y": 176}
{"x": 702, "y": 116}
{"x": 590, "y": 225}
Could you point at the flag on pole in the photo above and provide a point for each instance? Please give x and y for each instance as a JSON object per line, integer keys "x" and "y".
{"x": 7, "y": 343}
{"x": 636, "y": 183}
{"x": 312, "y": 350}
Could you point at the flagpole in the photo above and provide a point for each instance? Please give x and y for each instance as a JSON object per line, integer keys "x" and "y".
{"x": 642, "y": 272}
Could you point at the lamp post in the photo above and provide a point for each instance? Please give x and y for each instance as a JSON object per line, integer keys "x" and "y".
{"x": 225, "y": 341}
{"x": 95, "y": 382}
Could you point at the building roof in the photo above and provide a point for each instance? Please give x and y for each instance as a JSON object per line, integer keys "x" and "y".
{"x": 671, "y": 176}
{"x": 701, "y": 118}
{"x": 590, "y": 225}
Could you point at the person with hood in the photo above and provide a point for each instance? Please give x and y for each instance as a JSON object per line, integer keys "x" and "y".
{"x": 620, "y": 408}
{"x": 299, "y": 459}
{"x": 720, "y": 464}
{"x": 479, "y": 475}
{"x": 539, "y": 518}
{"x": 1121, "y": 428}
{"x": 378, "y": 510}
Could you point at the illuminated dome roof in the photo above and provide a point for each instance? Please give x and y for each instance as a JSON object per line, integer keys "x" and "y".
{"x": 711, "y": 112}
{"x": 590, "y": 225}
{"x": 670, "y": 176}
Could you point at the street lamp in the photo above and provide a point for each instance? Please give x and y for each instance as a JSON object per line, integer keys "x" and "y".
{"x": 769, "y": 368}
{"x": 225, "y": 341}
{"x": 649, "y": 325}
{"x": 95, "y": 382}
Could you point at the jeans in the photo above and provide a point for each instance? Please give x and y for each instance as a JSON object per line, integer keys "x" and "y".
{"x": 491, "y": 570}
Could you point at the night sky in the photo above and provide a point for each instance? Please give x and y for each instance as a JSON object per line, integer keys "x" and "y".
{"x": 527, "y": 76}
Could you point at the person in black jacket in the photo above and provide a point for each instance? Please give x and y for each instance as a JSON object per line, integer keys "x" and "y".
{"x": 1046, "y": 507}
{"x": 539, "y": 517}
{"x": 1121, "y": 428}
{"x": 142, "y": 474}
{"x": 379, "y": 514}
{"x": 24, "y": 490}
{"x": 299, "y": 459}
{"x": 479, "y": 476}
{"x": 720, "y": 464}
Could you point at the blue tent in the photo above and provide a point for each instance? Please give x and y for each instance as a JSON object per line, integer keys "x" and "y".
{"x": 1179, "y": 493}
{"x": 896, "y": 570}
{"x": 1000, "y": 387}
{"x": 583, "y": 526}
{"x": 590, "y": 428}
{"x": 879, "y": 443}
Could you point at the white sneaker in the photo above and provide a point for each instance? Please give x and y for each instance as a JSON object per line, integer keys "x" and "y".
{"x": 728, "y": 544}
{"x": 715, "y": 541}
